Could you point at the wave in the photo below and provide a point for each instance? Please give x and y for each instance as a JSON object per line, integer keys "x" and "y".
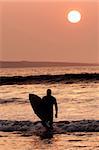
{"x": 66, "y": 78}
{"x": 28, "y": 128}
{"x": 13, "y": 100}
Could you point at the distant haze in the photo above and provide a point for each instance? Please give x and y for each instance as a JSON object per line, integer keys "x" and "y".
{"x": 40, "y": 31}
{"x": 20, "y": 64}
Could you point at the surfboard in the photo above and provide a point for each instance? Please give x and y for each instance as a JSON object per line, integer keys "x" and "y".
{"x": 37, "y": 106}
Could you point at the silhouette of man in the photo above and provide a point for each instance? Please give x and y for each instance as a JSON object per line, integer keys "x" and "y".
{"x": 48, "y": 102}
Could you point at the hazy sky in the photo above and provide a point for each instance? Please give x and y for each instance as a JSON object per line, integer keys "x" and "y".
{"x": 39, "y": 31}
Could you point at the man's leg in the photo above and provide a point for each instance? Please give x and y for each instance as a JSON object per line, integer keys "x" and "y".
{"x": 46, "y": 124}
{"x": 43, "y": 123}
{"x": 51, "y": 122}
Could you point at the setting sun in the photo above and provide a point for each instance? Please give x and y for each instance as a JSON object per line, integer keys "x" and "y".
{"x": 74, "y": 16}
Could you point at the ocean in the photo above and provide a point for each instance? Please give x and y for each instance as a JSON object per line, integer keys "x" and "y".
{"x": 77, "y": 125}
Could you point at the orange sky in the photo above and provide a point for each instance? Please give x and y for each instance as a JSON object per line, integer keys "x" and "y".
{"x": 39, "y": 31}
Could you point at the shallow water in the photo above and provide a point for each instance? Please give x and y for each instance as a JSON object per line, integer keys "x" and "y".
{"x": 68, "y": 141}
{"x": 76, "y": 102}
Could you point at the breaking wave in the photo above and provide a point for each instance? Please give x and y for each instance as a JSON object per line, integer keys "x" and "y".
{"x": 13, "y": 100}
{"x": 61, "y": 127}
{"x": 66, "y": 78}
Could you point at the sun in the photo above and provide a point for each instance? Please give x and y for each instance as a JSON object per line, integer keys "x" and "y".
{"x": 74, "y": 16}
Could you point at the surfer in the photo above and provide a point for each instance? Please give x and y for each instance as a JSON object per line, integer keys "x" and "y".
{"x": 48, "y": 102}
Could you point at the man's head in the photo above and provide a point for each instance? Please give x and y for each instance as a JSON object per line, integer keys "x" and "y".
{"x": 49, "y": 92}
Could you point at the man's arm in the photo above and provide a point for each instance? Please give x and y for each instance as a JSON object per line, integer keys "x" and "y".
{"x": 56, "y": 109}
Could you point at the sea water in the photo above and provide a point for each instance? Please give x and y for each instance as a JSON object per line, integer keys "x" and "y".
{"x": 77, "y": 101}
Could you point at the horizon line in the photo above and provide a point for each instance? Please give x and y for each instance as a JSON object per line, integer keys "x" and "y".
{"x": 47, "y": 61}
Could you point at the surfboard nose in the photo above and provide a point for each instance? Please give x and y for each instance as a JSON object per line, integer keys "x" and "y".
{"x": 30, "y": 96}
